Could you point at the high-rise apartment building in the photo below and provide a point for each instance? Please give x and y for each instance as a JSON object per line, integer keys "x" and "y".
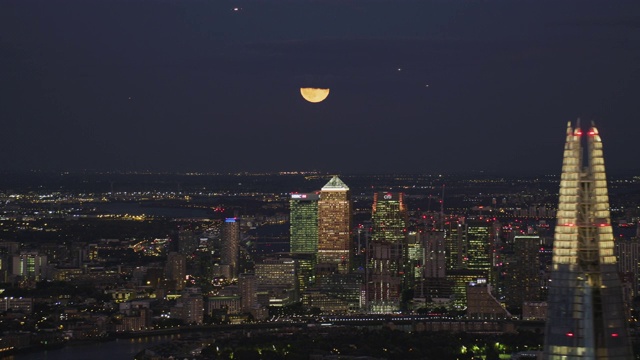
{"x": 189, "y": 308}
{"x": 586, "y": 318}
{"x": 176, "y": 269}
{"x": 334, "y": 225}
{"x": 188, "y": 241}
{"x": 230, "y": 247}
{"x": 248, "y": 291}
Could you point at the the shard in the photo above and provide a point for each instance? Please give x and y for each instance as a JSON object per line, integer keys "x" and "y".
{"x": 586, "y": 315}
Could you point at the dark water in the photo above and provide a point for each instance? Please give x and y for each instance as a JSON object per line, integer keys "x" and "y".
{"x": 136, "y": 209}
{"x": 111, "y": 350}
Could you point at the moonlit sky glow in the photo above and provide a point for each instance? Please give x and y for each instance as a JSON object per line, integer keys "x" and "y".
{"x": 416, "y": 86}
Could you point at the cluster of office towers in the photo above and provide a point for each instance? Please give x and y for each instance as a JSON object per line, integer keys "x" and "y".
{"x": 586, "y": 316}
{"x": 392, "y": 259}
{"x": 322, "y": 240}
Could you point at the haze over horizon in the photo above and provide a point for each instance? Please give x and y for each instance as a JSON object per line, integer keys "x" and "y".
{"x": 416, "y": 86}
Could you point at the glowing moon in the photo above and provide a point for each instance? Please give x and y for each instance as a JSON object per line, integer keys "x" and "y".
{"x": 314, "y": 95}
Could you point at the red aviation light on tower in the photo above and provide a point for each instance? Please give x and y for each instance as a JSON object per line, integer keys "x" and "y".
{"x": 578, "y": 132}
{"x": 570, "y": 334}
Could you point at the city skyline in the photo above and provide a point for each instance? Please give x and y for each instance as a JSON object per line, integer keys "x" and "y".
{"x": 214, "y": 86}
{"x": 163, "y": 254}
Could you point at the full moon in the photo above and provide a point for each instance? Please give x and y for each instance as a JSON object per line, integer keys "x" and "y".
{"x": 314, "y": 95}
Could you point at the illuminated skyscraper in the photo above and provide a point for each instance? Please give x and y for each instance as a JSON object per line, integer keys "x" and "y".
{"x": 334, "y": 225}
{"x": 386, "y": 249}
{"x": 414, "y": 255}
{"x": 480, "y": 243}
{"x": 454, "y": 236}
{"x": 586, "y": 318}
{"x": 230, "y": 247}
{"x": 304, "y": 236}
{"x": 304, "y": 223}
{"x": 389, "y": 217}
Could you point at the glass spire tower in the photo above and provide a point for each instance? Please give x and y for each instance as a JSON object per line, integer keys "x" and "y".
{"x": 586, "y": 318}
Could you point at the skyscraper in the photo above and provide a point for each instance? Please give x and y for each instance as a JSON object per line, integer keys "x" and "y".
{"x": 303, "y": 229}
{"x": 230, "y": 247}
{"x": 386, "y": 249}
{"x": 304, "y": 223}
{"x": 628, "y": 256}
{"x": 586, "y": 318}
{"x": 454, "y": 236}
{"x": 334, "y": 225}
{"x": 389, "y": 217}
{"x": 479, "y": 246}
{"x": 434, "y": 254}
{"x": 522, "y": 281}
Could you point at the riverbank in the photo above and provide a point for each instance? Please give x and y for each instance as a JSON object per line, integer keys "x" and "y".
{"x": 121, "y": 349}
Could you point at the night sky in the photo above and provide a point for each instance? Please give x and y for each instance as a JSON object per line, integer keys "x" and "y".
{"x": 416, "y": 86}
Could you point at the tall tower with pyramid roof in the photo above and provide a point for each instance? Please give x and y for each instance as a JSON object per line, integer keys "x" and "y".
{"x": 586, "y": 318}
{"x": 334, "y": 225}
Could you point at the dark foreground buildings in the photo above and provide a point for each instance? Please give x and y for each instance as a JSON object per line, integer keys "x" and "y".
{"x": 586, "y": 318}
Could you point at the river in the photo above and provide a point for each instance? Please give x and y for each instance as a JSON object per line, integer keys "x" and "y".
{"x": 135, "y": 208}
{"x": 120, "y": 349}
